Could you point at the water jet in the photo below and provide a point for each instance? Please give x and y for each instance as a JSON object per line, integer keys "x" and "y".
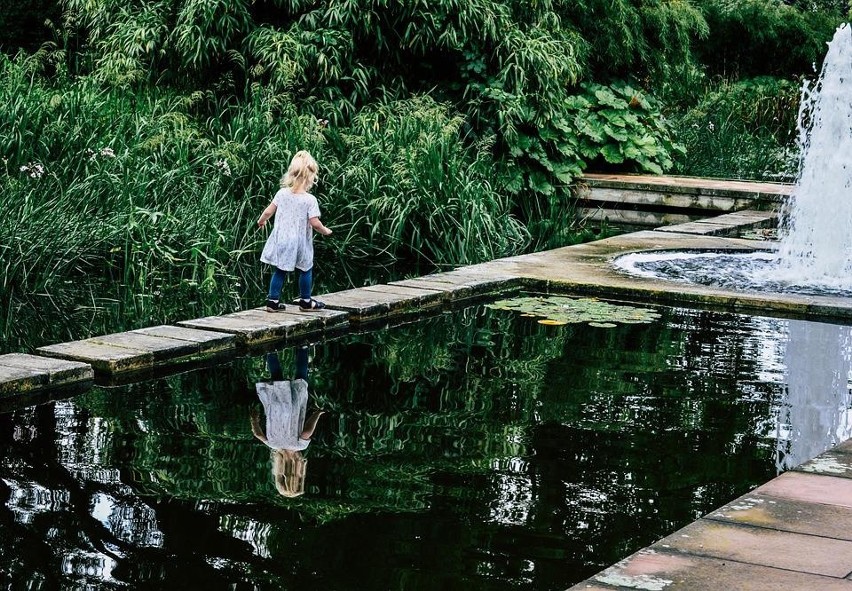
{"x": 813, "y": 255}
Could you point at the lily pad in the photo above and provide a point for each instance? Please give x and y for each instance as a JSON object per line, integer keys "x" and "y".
{"x": 560, "y": 310}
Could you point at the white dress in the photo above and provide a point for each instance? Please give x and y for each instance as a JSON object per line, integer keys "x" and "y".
{"x": 291, "y": 243}
{"x": 285, "y": 404}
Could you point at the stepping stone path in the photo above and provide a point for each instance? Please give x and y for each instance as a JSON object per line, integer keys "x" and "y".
{"x": 257, "y": 326}
{"x": 142, "y": 349}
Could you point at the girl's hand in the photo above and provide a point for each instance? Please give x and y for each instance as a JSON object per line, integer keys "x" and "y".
{"x": 261, "y": 223}
{"x": 327, "y": 232}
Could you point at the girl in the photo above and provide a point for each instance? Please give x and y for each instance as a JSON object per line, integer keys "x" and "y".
{"x": 290, "y": 245}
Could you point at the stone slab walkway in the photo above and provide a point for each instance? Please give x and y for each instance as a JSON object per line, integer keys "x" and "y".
{"x": 143, "y": 349}
{"x": 255, "y": 327}
{"x": 794, "y": 533}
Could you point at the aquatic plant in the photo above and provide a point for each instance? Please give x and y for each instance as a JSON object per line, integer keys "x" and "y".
{"x": 560, "y": 310}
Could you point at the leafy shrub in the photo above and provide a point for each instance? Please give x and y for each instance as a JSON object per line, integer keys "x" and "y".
{"x": 766, "y": 37}
{"x": 742, "y": 129}
{"x": 621, "y": 126}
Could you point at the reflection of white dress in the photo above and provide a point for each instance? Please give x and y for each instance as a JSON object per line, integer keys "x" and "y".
{"x": 285, "y": 404}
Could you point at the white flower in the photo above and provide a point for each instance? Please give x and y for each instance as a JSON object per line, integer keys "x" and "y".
{"x": 33, "y": 169}
{"x": 224, "y": 167}
{"x": 107, "y": 152}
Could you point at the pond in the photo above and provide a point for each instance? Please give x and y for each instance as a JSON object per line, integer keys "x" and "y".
{"x": 476, "y": 449}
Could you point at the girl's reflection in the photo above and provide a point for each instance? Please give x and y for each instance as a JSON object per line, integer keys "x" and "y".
{"x": 288, "y": 432}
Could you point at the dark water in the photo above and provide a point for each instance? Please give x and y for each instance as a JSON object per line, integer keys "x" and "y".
{"x": 474, "y": 450}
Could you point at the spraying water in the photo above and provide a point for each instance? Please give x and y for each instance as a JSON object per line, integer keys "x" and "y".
{"x": 815, "y": 248}
{"x": 816, "y": 232}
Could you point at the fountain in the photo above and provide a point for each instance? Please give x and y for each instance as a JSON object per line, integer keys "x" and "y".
{"x": 814, "y": 253}
{"x": 816, "y": 245}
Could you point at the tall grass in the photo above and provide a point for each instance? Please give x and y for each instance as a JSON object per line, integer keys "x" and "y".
{"x": 153, "y": 195}
{"x": 411, "y": 190}
{"x": 743, "y": 129}
{"x": 146, "y": 189}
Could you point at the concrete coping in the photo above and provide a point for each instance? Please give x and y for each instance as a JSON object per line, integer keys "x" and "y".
{"x": 687, "y": 185}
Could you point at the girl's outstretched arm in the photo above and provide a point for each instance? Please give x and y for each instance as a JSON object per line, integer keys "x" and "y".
{"x": 316, "y": 224}
{"x": 267, "y": 213}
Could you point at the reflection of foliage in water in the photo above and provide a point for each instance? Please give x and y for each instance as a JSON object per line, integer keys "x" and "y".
{"x": 453, "y": 395}
{"x": 558, "y": 310}
{"x": 401, "y": 405}
{"x": 566, "y": 441}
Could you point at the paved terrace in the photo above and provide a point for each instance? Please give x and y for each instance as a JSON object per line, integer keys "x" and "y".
{"x": 795, "y": 532}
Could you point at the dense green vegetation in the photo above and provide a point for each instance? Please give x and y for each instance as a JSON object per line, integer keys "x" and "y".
{"x": 139, "y": 141}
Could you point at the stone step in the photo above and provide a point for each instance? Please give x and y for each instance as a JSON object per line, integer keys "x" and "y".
{"x": 725, "y": 225}
{"x": 687, "y": 185}
{"x": 21, "y": 373}
{"x": 257, "y": 326}
{"x": 142, "y": 349}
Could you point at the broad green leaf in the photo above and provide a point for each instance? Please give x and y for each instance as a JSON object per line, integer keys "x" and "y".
{"x": 612, "y": 154}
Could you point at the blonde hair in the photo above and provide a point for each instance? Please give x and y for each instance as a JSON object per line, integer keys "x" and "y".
{"x": 302, "y": 173}
{"x": 288, "y": 472}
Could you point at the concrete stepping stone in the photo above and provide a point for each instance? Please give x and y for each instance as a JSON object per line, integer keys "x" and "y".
{"x": 257, "y": 326}
{"x": 22, "y": 373}
{"x": 463, "y": 284}
{"x": 379, "y": 301}
{"x": 722, "y": 225}
{"x": 141, "y": 349}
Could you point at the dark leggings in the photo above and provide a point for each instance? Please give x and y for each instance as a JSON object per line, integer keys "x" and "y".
{"x": 276, "y": 284}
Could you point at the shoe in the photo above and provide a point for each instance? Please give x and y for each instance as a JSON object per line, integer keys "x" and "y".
{"x": 275, "y": 306}
{"x": 310, "y": 304}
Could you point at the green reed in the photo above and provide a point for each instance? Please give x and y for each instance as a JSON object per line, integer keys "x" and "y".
{"x": 741, "y": 129}
{"x": 154, "y": 195}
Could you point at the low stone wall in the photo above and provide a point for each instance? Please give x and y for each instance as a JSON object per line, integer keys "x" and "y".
{"x": 632, "y": 202}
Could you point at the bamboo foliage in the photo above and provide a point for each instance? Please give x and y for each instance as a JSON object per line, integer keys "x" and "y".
{"x": 510, "y": 65}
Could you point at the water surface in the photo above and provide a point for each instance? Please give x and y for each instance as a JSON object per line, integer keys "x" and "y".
{"x": 477, "y": 449}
